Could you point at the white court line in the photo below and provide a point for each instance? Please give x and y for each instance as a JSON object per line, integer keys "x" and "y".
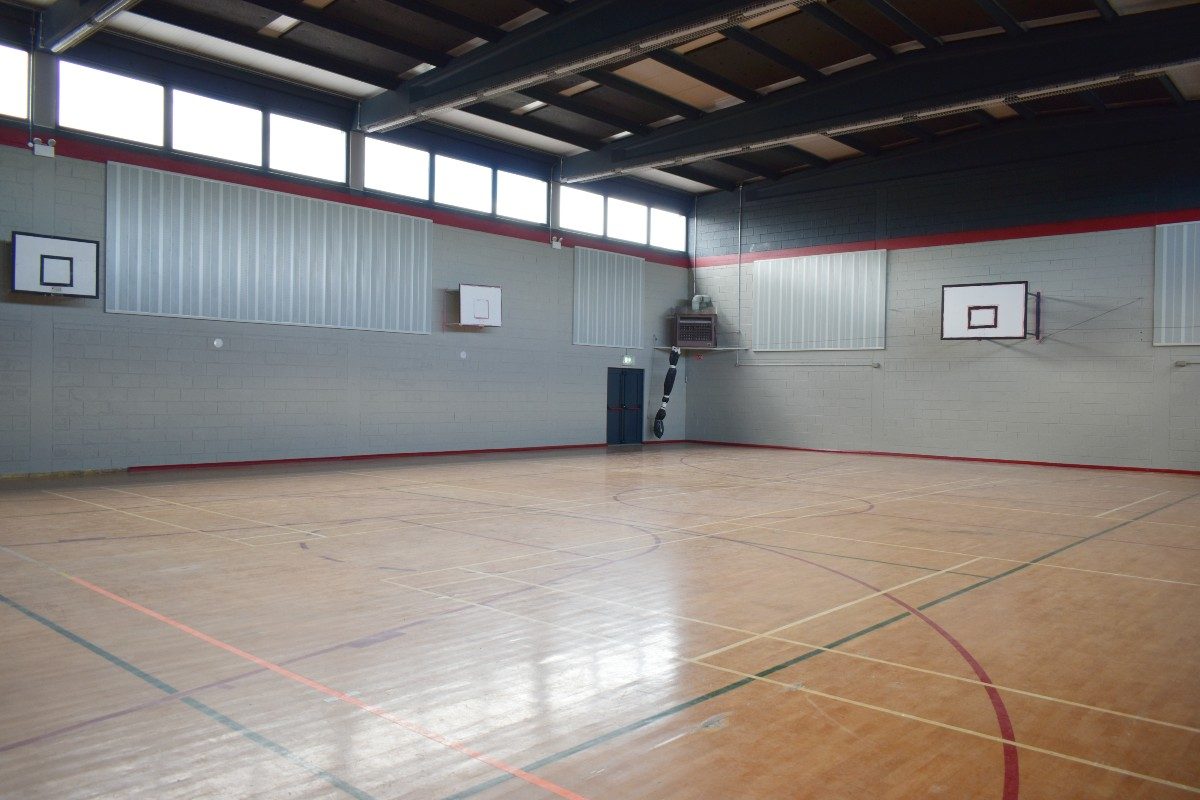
{"x": 840, "y": 699}
{"x": 1134, "y": 503}
{"x": 257, "y": 522}
{"x": 148, "y": 519}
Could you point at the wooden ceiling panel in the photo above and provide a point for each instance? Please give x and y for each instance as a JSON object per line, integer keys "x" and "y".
{"x": 1148, "y": 92}
{"x": 671, "y": 82}
{"x": 740, "y": 64}
{"x": 619, "y": 104}
{"x": 1027, "y": 10}
{"x": 572, "y": 122}
{"x": 803, "y": 37}
{"x": 946, "y": 17}
{"x": 870, "y": 22}
{"x": 496, "y": 13}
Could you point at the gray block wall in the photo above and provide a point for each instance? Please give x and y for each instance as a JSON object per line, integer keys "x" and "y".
{"x": 82, "y": 389}
{"x": 1094, "y": 392}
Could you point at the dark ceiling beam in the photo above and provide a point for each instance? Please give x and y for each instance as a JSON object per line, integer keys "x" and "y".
{"x": 918, "y": 131}
{"x": 858, "y": 143}
{"x": 1093, "y": 100}
{"x": 583, "y": 35}
{"x": 955, "y": 74}
{"x": 833, "y": 21}
{"x": 771, "y": 52}
{"x": 1002, "y": 15}
{"x": 550, "y": 6}
{"x": 699, "y": 176}
{"x": 66, "y": 23}
{"x": 582, "y": 109}
{"x": 982, "y": 117}
{"x": 905, "y": 23}
{"x": 746, "y": 165}
{"x": 1010, "y": 142}
{"x": 239, "y": 34}
{"x": 670, "y": 58}
{"x": 1105, "y": 9}
{"x": 811, "y": 159}
{"x": 372, "y": 36}
{"x": 1169, "y": 86}
{"x": 643, "y": 93}
{"x": 451, "y": 18}
{"x": 1024, "y": 109}
{"x": 527, "y": 122}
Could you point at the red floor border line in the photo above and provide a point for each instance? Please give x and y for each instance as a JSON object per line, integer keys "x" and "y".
{"x": 978, "y": 459}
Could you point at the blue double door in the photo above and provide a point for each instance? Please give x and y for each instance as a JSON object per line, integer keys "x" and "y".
{"x": 625, "y": 417}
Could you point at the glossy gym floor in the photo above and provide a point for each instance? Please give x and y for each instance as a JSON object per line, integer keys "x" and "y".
{"x": 680, "y": 621}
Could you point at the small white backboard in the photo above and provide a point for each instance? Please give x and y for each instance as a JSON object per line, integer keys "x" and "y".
{"x": 55, "y": 265}
{"x": 479, "y": 305}
{"x": 985, "y": 310}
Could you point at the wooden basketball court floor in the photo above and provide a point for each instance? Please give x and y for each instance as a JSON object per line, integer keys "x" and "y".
{"x": 678, "y": 622}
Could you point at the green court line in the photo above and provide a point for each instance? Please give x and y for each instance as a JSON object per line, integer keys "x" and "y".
{"x": 208, "y": 711}
{"x": 695, "y": 701}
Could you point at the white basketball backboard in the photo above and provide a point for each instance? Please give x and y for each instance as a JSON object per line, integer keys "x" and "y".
{"x": 985, "y": 310}
{"x": 479, "y": 305}
{"x": 55, "y": 265}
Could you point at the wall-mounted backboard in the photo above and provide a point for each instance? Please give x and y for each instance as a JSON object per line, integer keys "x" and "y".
{"x": 985, "y": 310}
{"x": 479, "y": 305}
{"x": 55, "y": 265}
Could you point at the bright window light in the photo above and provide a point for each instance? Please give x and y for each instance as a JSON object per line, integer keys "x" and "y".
{"x": 14, "y": 82}
{"x": 306, "y": 148}
{"x": 626, "y": 221}
{"x": 111, "y": 105}
{"x": 581, "y": 211}
{"x": 667, "y": 230}
{"x": 397, "y": 169}
{"x": 520, "y": 197}
{"x": 215, "y": 128}
{"x": 462, "y": 184}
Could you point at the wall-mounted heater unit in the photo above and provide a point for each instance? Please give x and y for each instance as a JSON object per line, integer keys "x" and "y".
{"x": 694, "y": 329}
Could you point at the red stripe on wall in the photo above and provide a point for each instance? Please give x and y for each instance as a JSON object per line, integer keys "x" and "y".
{"x": 1094, "y": 225}
{"x": 91, "y": 151}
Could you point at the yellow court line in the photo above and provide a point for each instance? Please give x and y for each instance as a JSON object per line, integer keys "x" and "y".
{"x": 148, "y": 519}
{"x": 1059, "y": 513}
{"x": 260, "y": 523}
{"x": 809, "y": 618}
{"x": 845, "y": 700}
{"x": 1045, "y": 564}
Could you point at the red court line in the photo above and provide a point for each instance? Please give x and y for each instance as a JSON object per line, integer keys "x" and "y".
{"x": 1061, "y": 464}
{"x": 370, "y": 456}
{"x": 1012, "y": 768}
{"x": 296, "y": 677}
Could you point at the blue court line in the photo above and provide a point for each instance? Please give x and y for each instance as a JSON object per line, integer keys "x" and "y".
{"x": 208, "y": 711}
{"x": 695, "y": 701}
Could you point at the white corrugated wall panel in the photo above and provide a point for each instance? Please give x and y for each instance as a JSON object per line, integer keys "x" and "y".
{"x": 826, "y": 302}
{"x": 1177, "y": 284}
{"x": 190, "y": 247}
{"x": 609, "y": 299}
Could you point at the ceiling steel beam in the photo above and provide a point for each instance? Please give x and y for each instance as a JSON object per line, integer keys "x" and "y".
{"x": 956, "y": 76}
{"x": 1011, "y": 141}
{"x": 371, "y": 36}
{"x": 1171, "y": 89}
{"x": 693, "y": 174}
{"x": 746, "y": 165}
{"x": 905, "y": 23}
{"x": 670, "y": 58}
{"x": 833, "y": 21}
{"x": 643, "y": 93}
{"x": 239, "y": 34}
{"x": 582, "y": 35}
{"x": 1002, "y": 16}
{"x": 772, "y": 53}
{"x": 1105, "y": 9}
{"x": 582, "y": 109}
{"x": 451, "y": 18}
{"x": 66, "y": 23}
